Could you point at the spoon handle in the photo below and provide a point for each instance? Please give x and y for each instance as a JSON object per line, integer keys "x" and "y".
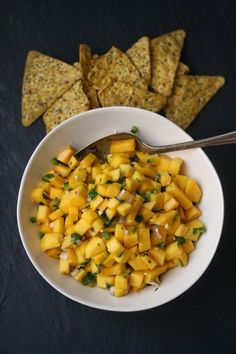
{"x": 228, "y": 138}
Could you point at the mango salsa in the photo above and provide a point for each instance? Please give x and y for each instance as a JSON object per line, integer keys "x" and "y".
{"x": 121, "y": 223}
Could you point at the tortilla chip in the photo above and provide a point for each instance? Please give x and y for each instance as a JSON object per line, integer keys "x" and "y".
{"x": 190, "y": 95}
{"x": 45, "y": 80}
{"x": 74, "y": 101}
{"x": 183, "y": 69}
{"x": 123, "y": 94}
{"x": 165, "y": 55}
{"x": 91, "y": 93}
{"x": 85, "y": 57}
{"x": 139, "y": 54}
{"x": 115, "y": 66}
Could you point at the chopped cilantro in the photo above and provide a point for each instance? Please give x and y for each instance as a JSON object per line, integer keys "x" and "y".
{"x": 55, "y": 203}
{"x": 75, "y": 237}
{"x": 134, "y": 129}
{"x": 153, "y": 191}
{"x": 180, "y": 262}
{"x": 89, "y": 279}
{"x": 33, "y": 219}
{"x": 41, "y": 234}
{"x": 151, "y": 160}
{"x": 83, "y": 264}
{"x": 158, "y": 177}
{"x": 199, "y": 230}
{"x": 106, "y": 235}
{"x": 93, "y": 193}
{"x": 55, "y": 161}
{"x": 139, "y": 218}
{"x": 133, "y": 229}
{"x": 161, "y": 244}
{"x": 45, "y": 195}
{"x": 66, "y": 185}
{"x": 181, "y": 240}
{"x": 108, "y": 285}
{"x": 47, "y": 177}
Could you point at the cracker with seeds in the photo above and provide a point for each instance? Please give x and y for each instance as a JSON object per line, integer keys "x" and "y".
{"x": 190, "y": 95}
{"x": 74, "y": 101}
{"x": 45, "y": 80}
{"x": 165, "y": 55}
{"x": 139, "y": 54}
{"x": 115, "y": 66}
{"x": 123, "y": 94}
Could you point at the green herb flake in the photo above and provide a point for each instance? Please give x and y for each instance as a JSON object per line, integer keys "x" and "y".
{"x": 55, "y": 161}
{"x": 66, "y": 186}
{"x": 181, "y": 240}
{"x": 199, "y": 230}
{"x": 139, "y": 218}
{"x": 75, "y": 237}
{"x": 46, "y": 178}
{"x": 151, "y": 160}
{"x": 41, "y": 234}
{"x": 93, "y": 193}
{"x": 33, "y": 219}
{"x": 106, "y": 235}
{"x": 158, "y": 177}
{"x": 180, "y": 262}
{"x": 153, "y": 191}
{"x": 89, "y": 279}
{"x": 108, "y": 285}
{"x": 161, "y": 244}
{"x": 133, "y": 229}
{"x": 134, "y": 129}
{"x": 85, "y": 263}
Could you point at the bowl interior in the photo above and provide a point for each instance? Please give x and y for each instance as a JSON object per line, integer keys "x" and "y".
{"x": 154, "y": 129}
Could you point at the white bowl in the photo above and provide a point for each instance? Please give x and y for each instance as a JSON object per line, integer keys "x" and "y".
{"x": 154, "y": 129}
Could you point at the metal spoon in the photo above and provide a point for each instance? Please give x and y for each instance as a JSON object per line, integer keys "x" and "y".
{"x": 101, "y": 147}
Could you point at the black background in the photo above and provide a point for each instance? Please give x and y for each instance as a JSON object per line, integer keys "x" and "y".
{"x": 34, "y": 318}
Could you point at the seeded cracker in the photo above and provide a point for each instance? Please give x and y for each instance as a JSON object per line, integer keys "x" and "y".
{"x": 139, "y": 54}
{"x": 165, "y": 55}
{"x": 115, "y": 66}
{"x": 45, "y": 80}
{"x": 86, "y": 66}
{"x": 183, "y": 69}
{"x": 74, "y": 101}
{"x": 123, "y": 94}
{"x": 190, "y": 95}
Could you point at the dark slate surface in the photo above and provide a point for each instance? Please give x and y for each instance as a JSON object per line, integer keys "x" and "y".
{"x": 34, "y": 318}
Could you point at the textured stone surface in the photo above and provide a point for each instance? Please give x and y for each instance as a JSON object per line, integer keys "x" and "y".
{"x": 34, "y": 318}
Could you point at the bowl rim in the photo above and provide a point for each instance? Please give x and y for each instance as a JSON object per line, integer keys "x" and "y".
{"x": 37, "y": 267}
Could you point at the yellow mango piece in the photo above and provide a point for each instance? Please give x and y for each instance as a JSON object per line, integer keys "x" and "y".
{"x": 158, "y": 254}
{"x": 73, "y": 163}
{"x": 105, "y": 282}
{"x": 100, "y": 257}
{"x": 81, "y": 227}
{"x": 122, "y": 146}
{"x": 62, "y": 170}
{"x": 114, "y": 246}
{"x": 37, "y": 196}
{"x": 179, "y": 195}
{"x": 55, "y": 193}
{"x": 50, "y": 240}
{"x": 144, "y": 239}
{"x": 53, "y": 252}
{"x": 102, "y": 189}
{"x": 73, "y": 213}
{"x": 175, "y": 166}
{"x": 136, "y": 279}
{"x": 124, "y": 208}
{"x": 109, "y": 261}
{"x": 180, "y": 181}
{"x": 119, "y": 232}
{"x": 131, "y": 239}
{"x": 192, "y": 213}
{"x": 65, "y": 155}
{"x": 94, "y": 203}
{"x": 42, "y": 214}
{"x": 89, "y": 216}
{"x": 121, "y": 282}
{"x": 123, "y": 258}
{"x": 116, "y": 269}
{"x": 97, "y": 225}
{"x": 114, "y": 175}
{"x": 188, "y": 246}
{"x": 173, "y": 251}
{"x": 56, "y": 214}
{"x": 171, "y": 204}
{"x": 113, "y": 190}
{"x": 94, "y": 247}
{"x": 137, "y": 263}
{"x": 149, "y": 261}
{"x": 64, "y": 267}
{"x": 88, "y": 160}
{"x": 59, "y": 225}
{"x": 163, "y": 163}
{"x": 118, "y": 159}
{"x": 57, "y": 181}
{"x": 193, "y": 190}
{"x": 126, "y": 170}
{"x": 111, "y": 213}
{"x": 131, "y": 185}
{"x": 146, "y": 214}
{"x": 45, "y": 228}
{"x": 71, "y": 257}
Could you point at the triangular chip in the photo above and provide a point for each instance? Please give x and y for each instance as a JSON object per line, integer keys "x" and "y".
{"x": 139, "y": 54}
{"x": 115, "y": 66}
{"x": 183, "y": 69}
{"x": 123, "y": 94}
{"x": 86, "y": 63}
{"x": 45, "y": 80}
{"x": 74, "y": 101}
{"x": 190, "y": 95}
{"x": 165, "y": 55}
